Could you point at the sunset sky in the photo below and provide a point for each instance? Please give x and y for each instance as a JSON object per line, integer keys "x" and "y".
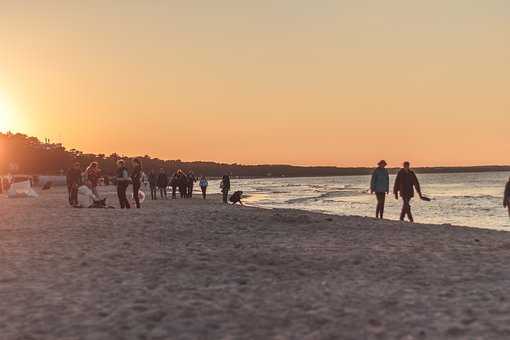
{"x": 340, "y": 82}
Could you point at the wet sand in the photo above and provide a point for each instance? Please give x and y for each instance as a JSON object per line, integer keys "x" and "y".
{"x": 194, "y": 269}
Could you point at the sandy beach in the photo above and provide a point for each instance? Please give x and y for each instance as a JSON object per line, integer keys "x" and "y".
{"x": 194, "y": 269}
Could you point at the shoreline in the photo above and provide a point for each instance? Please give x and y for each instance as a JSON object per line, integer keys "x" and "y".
{"x": 189, "y": 269}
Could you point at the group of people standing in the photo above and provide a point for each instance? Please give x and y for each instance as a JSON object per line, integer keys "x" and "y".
{"x": 180, "y": 181}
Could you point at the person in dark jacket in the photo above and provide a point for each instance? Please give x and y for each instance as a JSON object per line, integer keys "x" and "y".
{"x": 162, "y": 183}
{"x": 122, "y": 184}
{"x": 225, "y": 187}
{"x": 191, "y": 179}
{"x": 380, "y": 185}
{"x": 182, "y": 183}
{"x": 74, "y": 181}
{"x": 236, "y": 198}
{"x": 173, "y": 183}
{"x": 506, "y": 197}
{"x": 136, "y": 179}
{"x": 405, "y": 183}
{"x": 153, "y": 183}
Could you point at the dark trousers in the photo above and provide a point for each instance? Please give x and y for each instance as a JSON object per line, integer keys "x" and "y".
{"x": 136, "y": 190}
{"x": 154, "y": 193}
{"x": 406, "y": 209}
{"x": 381, "y": 199}
{"x": 162, "y": 192}
{"x": 182, "y": 192}
{"x": 174, "y": 191}
{"x": 190, "y": 190}
{"x": 121, "y": 193}
{"x": 204, "y": 192}
{"x": 225, "y": 196}
{"x": 73, "y": 195}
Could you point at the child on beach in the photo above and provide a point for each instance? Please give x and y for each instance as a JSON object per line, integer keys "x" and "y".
{"x": 506, "y": 197}
{"x": 236, "y": 197}
{"x": 380, "y": 185}
{"x": 203, "y": 186}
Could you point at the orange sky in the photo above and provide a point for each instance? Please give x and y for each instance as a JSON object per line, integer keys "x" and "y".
{"x": 291, "y": 81}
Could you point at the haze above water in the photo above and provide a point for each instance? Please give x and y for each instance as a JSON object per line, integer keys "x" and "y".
{"x": 468, "y": 199}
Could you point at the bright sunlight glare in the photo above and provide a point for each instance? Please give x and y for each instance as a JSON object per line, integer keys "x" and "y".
{"x": 5, "y": 113}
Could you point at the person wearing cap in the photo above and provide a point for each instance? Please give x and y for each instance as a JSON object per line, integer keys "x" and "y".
{"x": 405, "y": 183}
{"x": 380, "y": 185}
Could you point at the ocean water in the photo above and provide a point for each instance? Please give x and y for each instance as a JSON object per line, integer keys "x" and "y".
{"x": 468, "y": 199}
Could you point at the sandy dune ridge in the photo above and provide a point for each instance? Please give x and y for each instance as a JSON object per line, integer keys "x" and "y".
{"x": 193, "y": 269}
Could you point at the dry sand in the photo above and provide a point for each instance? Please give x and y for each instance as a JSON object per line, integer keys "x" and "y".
{"x": 189, "y": 269}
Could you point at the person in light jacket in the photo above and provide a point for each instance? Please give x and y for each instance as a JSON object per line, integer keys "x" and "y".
{"x": 203, "y": 186}
{"x": 380, "y": 185}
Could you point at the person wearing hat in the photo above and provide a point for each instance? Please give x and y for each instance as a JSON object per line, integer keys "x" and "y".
{"x": 405, "y": 183}
{"x": 380, "y": 185}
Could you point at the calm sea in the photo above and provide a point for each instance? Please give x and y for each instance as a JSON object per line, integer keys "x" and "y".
{"x": 469, "y": 199}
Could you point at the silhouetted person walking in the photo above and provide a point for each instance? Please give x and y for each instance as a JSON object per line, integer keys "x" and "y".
{"x": 153, "y": 183}
{"x": 74, "y": 181}
{"x": 191, "y": 179}
{"x": 225, "y": 187}
{"x": 182, "y": 183}
{"x": 405, "y": 183}
{"x": 122, "y": 184}
{"x": 380, "y": 185}
{"x": 162, "y": 183}
{"x": 506, "y": 197}
{"x": 136, "y": 178}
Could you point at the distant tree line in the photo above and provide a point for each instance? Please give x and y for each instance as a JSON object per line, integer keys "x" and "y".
{"x": 27, "y": 155}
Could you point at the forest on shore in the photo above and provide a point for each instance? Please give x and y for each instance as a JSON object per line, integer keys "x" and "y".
{"x": 22, "y": 154}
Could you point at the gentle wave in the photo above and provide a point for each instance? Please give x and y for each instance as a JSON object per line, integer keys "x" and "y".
{"x": 327, "y": 195}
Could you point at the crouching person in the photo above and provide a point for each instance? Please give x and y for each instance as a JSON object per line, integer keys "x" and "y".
{"x": 236, "y": 198}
